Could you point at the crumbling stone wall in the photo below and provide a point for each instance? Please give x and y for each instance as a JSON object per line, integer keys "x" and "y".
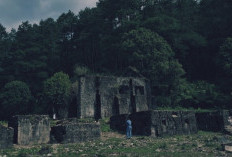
{"x": 30, "y": 129}
{"x": 6, "y": 137}
{"x": 104, "y": 96}
{"x": 74, "y": 132}
{"x": 212, "y": 121}
{"x": 86, "y": 97}
{"x": 157, "y": 123}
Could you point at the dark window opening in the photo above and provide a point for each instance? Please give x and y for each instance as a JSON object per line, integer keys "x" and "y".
{"x": 139, "y": 90}
{"x": 164, "y": 122}
{"x": 124, "y": 89}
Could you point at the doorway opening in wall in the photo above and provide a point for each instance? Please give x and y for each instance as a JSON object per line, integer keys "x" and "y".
{"x": 139, "y": 90}
{"x": 73, "y": 108}
{"x": 97, "y": 111}
{"x": 154, "y": 131}
{"x": 186, "y": 124}
{"x": 132, "y": 98}
{"x": 115, "y": 109}
{"x": 133, "y": 105}
{"x": 164, "y": 125}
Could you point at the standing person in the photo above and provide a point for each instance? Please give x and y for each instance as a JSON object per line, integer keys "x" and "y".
{"x": 128, "y": 128}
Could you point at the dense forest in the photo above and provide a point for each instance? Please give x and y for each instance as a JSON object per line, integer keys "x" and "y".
{"x": 184, "y": 47}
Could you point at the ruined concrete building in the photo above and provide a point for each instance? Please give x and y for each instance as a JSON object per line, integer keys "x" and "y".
{"x": 104, "y": 96}
{"x": 157, "y": 123}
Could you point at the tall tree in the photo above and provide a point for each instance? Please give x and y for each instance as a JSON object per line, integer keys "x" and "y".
{"x": 67, "y": 23}
{"x": 57, "y": 93}
{"x": 15, "y": 98}
{"x": 154, "y": 58}
{"x": 48, "y": 39}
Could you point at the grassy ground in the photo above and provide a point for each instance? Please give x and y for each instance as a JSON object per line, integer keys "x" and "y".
{"x": 114, "y": 144}
{"x": 185, "y": 109}
{"x": 202, "y": 144}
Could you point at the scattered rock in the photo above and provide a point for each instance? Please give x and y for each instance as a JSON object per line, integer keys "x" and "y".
{"x": 228, "y": 147}
{"x": 199, "y": 145}
{"x": 158, "y": 150}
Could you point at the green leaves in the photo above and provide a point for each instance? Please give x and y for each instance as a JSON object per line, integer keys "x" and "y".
{"x": 151, "y": 54}
{"x": 57, "y": 92}
{"x": 154, "y": 58}
{"x": 225, "y": 54}
{"x": 161, "y": 40}
{"x": 15, "y": 98}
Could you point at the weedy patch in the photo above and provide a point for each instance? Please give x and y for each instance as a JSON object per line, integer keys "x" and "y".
{"x": 4, "y": 123}
{"x": 105, "y": 125}
{"x": 203, "y": 144}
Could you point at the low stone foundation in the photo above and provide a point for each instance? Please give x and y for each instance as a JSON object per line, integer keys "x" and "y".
{"x": 6, "y": 137}
{"x": 157, "y": 123}
{"x": 213, "y": 121}
{"x": 30, "y": 129}
{"x": 72, "y": 131}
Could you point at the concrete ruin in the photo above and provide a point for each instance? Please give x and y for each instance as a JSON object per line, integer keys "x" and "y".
{"x": 115, "y": 97}
{"x": 213, "y": 121}
{"x": 6, "y": 137}
{"x": 157, "y": 123}
{"x": 30, "y": 129}
{"x": 104, "y": 96}
{"x": 73, "y": 131}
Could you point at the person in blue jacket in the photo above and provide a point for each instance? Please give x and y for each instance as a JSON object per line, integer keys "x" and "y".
{"x": 128, "y": 128}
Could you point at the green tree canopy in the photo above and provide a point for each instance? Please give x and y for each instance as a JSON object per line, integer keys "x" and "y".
{"x": 153, "y": 57}
{"x": 225, "y": 53}
{"x": 15, "y": 98}
{"x": 57, "y": 91}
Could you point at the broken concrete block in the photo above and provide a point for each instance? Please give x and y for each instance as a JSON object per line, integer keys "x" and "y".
{"x": 6, "y": 137}
{"x": 73, "y": 132}
{"x": 30, "y": 129}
